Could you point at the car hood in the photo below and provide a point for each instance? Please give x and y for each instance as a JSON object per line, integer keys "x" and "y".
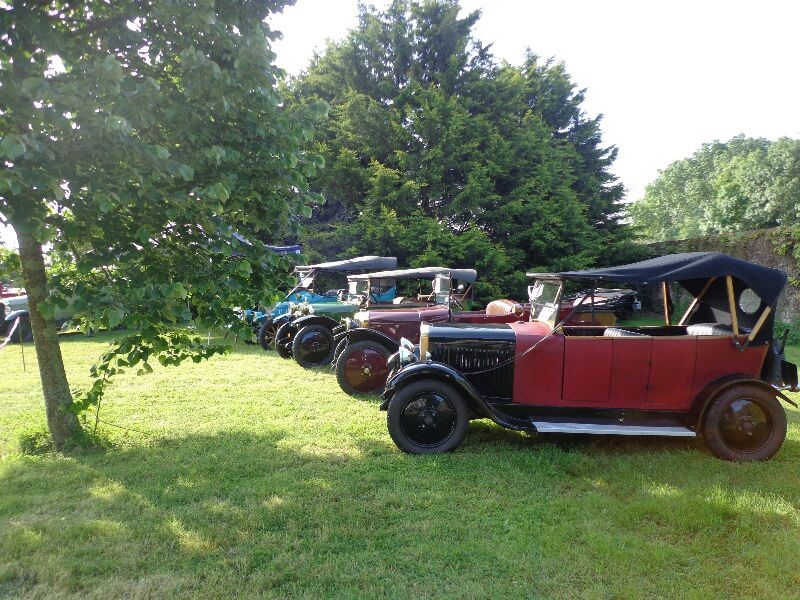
{"x": 467, "y": 331}
{"x": 404, "y": 315}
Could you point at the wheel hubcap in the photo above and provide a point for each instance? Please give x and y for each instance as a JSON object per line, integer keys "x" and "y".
{"x": 366, "y": 370}
{"x": 745, "y": 426}
{"x": 428, "y": 419}
{"x": 315, "y": 347}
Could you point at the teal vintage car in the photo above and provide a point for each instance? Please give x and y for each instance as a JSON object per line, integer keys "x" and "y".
{"x": 265, "y": 323}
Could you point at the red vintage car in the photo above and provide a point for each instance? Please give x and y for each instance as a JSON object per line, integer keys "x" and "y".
{"x": 715, "y": 371}
{"x": 367, "y": 345}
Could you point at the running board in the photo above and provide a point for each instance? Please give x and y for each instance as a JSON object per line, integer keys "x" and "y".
{"x": 605, "y": 429}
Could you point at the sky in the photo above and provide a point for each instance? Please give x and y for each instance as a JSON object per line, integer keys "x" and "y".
{"x": 667, "y": 76}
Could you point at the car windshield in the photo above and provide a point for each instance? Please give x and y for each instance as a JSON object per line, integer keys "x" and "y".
{"x": 358, "y": 287}
{"x": 305, "y": 279}
{"x": 544, "y": 296}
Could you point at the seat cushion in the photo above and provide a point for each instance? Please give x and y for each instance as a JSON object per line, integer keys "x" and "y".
{"x": 616, "y": 332}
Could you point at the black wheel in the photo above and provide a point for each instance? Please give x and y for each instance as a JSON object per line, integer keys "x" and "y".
{"x": 313, "y": 346}
{"x": 427, "y": 417}
{"x": 362, "y": 368}
{"x": 338, "y": 352}
{"x": 745, "y": 423}
{"x": 283, "y": 340}
{"x": 266, "y": 334}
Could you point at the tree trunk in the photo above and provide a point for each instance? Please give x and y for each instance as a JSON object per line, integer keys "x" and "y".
{"x": 57, "y": 397}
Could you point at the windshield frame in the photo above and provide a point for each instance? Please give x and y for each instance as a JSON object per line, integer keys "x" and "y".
{"x": 548, "y": 311}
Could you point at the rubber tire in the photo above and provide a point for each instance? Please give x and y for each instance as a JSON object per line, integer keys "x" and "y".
{"x": 342, "y": 360}
{"x": 338, "y": 352}
{"x": 298, "y": 339}
{"x": 769, "y": 404}
{"x": 266, "y": 335}
{"x": 283, "y": 331}
{"x": 401, "y": 398}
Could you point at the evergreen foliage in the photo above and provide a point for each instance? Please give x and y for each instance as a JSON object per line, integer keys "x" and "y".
{"x": 436, "y": 153}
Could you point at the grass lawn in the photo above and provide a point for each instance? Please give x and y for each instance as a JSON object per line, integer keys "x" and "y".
{"x": 248, "y": 476}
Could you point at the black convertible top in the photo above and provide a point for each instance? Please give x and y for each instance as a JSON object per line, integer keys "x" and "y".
{"x": 690, "y": 269}
{"x": 359, "y": 263}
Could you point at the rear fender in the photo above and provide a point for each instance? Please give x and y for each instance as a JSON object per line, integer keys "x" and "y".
{"x": 446, "y": 374}
{"x": 704, "y": 399}
{"x": 370, "y": 335}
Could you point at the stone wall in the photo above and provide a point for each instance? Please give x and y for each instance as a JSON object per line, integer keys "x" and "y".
{"x": 778, "y": 248}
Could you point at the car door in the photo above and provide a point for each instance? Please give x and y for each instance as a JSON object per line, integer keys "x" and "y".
{"x": 630, "y": 370}
{"x": 672, "y": 369}
{"x": 587, "y": 369}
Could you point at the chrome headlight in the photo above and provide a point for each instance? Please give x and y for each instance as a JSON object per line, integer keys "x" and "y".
{"x": 361, "y": 318}
{"x": 424, "y": 335}
{"x": 407, "y": 353}
{"x": 406, "y": 356}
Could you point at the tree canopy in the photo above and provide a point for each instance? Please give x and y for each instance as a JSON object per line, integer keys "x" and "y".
{"x": 742, "y": 184}
{"x": 436, "y": 153}
{"x": 137, "y": 138}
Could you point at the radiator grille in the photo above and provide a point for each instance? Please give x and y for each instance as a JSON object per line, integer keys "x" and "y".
{"x": 490, "y": 370}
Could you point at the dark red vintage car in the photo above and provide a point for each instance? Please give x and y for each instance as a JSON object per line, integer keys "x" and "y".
{"x": 716, "y": 371}
{"x": 307, "y": 334}
{"x": 365, "y": 343}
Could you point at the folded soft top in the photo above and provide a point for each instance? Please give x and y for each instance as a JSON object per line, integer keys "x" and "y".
{"x": 466, "y": 275}
{"x": 359, "y": 263}
{"x": 690, "y": 269}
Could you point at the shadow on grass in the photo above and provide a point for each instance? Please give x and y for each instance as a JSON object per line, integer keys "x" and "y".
{"x": 265, "y": 510}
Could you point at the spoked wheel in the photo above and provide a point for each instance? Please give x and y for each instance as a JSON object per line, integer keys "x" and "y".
{"x": 745, "y": 423}
{"x": 313, "y": 346}
{"x": 362, "y": 368}
{"x": 266, "y": 335}
{"x": 284, "y": 337}
{"x": 427, "y": 417}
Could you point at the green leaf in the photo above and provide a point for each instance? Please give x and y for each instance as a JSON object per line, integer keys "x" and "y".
{"x": 161, "y": 152}
{"x": 244, "y": 268}
{"x": 103, "y": 202}
{"x": 12, "y": 146}
{"x": 146, "y": 368}
{"x": 144, "y": 233}
{"x": 115, "y": 317}
{"x": 186, "y": 172}
{"x": 179, "y": 291}
{"x": 47, "y": 309}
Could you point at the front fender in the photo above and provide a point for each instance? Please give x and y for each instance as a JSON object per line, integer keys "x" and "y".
{"x": 12, "y": 316}
{"x": 441, "y": 372}
{"x": 301, "y": 322}
{"x": 704, "y": 399}
{"x": 363, "y": 334}
{"x": 283, "y": 319}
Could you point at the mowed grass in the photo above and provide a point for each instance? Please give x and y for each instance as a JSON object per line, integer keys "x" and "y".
{"x": 248, "y": 476}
